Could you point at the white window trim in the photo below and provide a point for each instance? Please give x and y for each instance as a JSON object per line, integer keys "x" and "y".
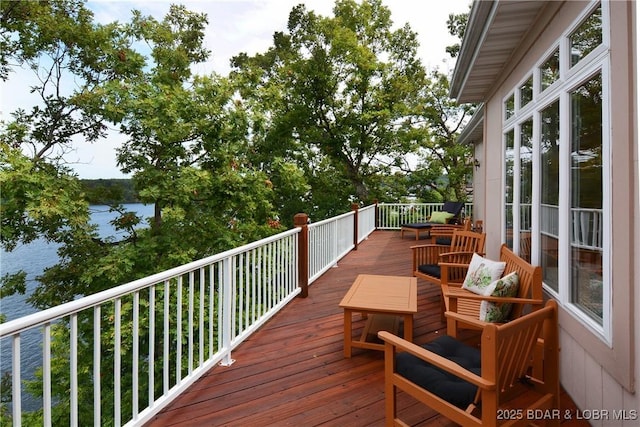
{"x": 570, "y": 78}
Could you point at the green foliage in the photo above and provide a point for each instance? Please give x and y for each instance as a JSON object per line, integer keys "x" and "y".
{"x": 457, "y": 24}
{"x": 443, "y": 172}
{"x": 109, "y": 191}
{"x": 338, "y": 94}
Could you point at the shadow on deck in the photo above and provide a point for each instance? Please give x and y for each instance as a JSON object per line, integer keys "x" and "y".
{"x": 292, "y": 371}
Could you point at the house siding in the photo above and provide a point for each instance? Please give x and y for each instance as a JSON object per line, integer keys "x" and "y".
{"x": 596, "y": 376}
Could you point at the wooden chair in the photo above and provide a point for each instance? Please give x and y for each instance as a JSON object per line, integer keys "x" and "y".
{"x": 507, "y": 392}
{"x": 462, "y": 307}
{"x": 427, "y": 258}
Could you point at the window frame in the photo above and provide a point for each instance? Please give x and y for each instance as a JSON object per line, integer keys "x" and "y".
{"x": 570, "y": 78}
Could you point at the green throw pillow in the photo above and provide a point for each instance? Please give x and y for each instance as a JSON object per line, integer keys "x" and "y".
{"x": 506, "y": 286}
{"x": 440, "y": 217}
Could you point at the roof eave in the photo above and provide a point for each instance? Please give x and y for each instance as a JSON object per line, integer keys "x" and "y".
{"x": 480, "y": 19}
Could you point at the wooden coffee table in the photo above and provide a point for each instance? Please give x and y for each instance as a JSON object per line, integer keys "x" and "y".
{"x": 395, "y": 296}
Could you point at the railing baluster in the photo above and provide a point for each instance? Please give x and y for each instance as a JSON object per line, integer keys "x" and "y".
{"x": 117, "y": 362}
{"x": 165, "y": 344}
{"x": 212, "y": 309}
{"x": 254, "y": 292}
{"x": 179, "y": 331}
{"x": 201, "y": 319}
{"x": 46, "y": 375}
{"x": 136, "y": 355}
{"x": 152, "y": 343}
{"x": 241, "y": 294}
{"x": 16, "y": 382}
{"x": 190, "y": 324}
{"x": 97, "y": 356}
{"x": 74, "y": 370}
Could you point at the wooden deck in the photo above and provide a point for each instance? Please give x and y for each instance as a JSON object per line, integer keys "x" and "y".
{"x": 292, "y": 371}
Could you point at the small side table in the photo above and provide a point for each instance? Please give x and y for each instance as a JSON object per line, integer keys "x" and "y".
{"x": 379, "y": 295}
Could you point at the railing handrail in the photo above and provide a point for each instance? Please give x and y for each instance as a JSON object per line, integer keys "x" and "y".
{"x": 89, "y": 301}
{"x": 332, "y": 219}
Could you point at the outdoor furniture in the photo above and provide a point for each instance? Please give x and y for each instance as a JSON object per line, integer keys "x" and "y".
{"x": 427, "y": 258}
{"x": 453, "y": 208}
{"x": 463, "y": 307}
{"x": 385, "y": 298}
{"x": 490, "y": 386}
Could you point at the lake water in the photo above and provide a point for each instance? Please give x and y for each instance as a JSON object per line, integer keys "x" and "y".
{"x": 33, "y": 258}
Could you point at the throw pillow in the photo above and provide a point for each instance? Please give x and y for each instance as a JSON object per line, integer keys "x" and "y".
{"x": 440, "y": 217}
{"x": 482, "y": 272}
{"x": 506, "y": 286}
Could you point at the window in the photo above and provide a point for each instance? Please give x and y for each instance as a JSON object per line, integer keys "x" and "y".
{"x": 550, "y": 70}
{"x": 509, "y": 107}
{"x": 549, "y": 192}
{"x": 586, "y": 197}
{"x": 526, "y": 188}
{"x": 557, "y": 209}
{"x": 509, "y": 156}
{"x": 526, "y": 92}
{"x": 587, "y": 37}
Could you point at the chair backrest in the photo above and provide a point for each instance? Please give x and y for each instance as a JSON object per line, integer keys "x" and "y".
{"x": 508, "y": 352}
{"x": 530, "y": 278}
{"x": 454, "y": 208}
{"x": 467, "y": 241}
{"x": 442, "y": 233}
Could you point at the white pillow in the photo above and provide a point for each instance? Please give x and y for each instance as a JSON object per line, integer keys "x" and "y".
{"x": 481, "y": 274}
{"x": 506, "y": 286}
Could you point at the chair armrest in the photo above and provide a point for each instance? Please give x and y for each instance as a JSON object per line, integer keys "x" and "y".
{"x": 445, "y": 256}
{"x": 459, "y": 293}
{"x": 443, "y": 363}
{"x": 476, "y": 323}
{"x": 454, "y": 266}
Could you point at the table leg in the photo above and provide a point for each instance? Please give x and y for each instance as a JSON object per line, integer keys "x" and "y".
{"x": 408, "y": 327}
{"x": 347, "y": 333}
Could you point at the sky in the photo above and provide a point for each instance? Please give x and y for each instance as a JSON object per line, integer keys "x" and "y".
{"x": 236, "y": 26}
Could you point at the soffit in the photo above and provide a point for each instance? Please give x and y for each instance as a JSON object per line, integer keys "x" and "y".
{"x": 494, "y": 33}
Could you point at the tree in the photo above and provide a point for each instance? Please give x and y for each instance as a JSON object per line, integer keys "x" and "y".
{"x": 457, "y": 24}
{"x": 443, "y": 171}
{"x": 338, "y": 95}
{"x": 186, "y": 152}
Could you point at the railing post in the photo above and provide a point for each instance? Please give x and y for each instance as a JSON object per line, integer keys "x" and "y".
{"x": 301, "y": 221}
{"x": 354, "y": 208}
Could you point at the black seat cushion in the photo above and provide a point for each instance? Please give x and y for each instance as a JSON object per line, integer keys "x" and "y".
{"x": 432, "y": 270}
{"x": 444, "y": 241}
{"x": 441, "y": 383}
{"x": 418, "y": 225}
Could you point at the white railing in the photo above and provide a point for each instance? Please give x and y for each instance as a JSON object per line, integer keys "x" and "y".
{"x": 166, "y": 329}
{"x": 329, "y": 240}
{"x": 392, "y": 215}
{"x": 188, "y": 318}
{"x": 586, "y": 226}
{"x": 366, "y": 222}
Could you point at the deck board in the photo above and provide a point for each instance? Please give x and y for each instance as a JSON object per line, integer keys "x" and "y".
{"x": 292, "y": 371}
